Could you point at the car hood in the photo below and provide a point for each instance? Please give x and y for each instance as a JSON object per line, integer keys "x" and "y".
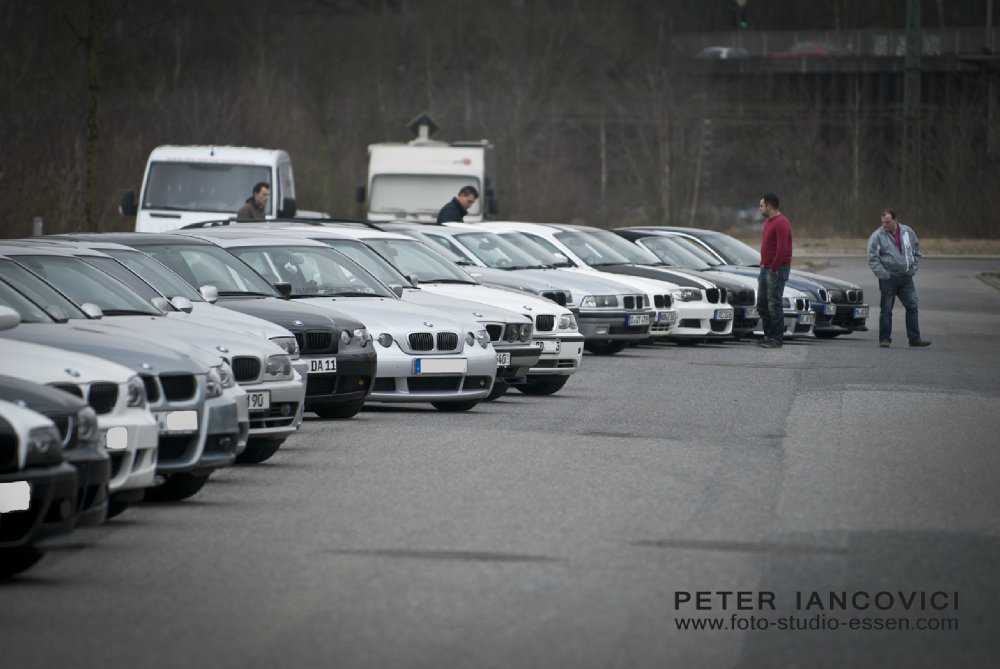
{"x": 463, "y": 309}
{"x": 381, "y": 314}
{"x": 506, "y": 299}
{"x": 290, "y": 314}
{"x": 47, "y": 364}
{"x": 211, "y": 339}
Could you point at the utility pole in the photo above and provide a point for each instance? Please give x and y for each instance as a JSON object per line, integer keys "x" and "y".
{"x": 911, "y": 103}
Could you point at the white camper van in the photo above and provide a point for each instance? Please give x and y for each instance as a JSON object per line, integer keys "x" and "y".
{"x": 414, "y": 180}
{"x": 189, "y": 184}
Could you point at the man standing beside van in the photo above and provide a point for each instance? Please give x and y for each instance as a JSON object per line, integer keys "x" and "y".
{"x": 456, "y": 210}
{"x": 255, "y": 208}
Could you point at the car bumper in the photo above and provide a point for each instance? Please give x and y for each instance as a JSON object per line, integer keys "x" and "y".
{"x": 797, "y": 324}
{"x": 211, "y": 444}
{"x": 521, "y": 359}
{"x": 351, "y": 382}
{"x": 702, "y": 321}
{"x": 614, "y": 325}
{"x": 132, "y": 437}
{"x": 561, "y": 355}
{"x": 283, "y": 413}
{"x": 665, "y": 321}
{"x": 396, "y": 379}
{"x": 51, "y": 513}
{"x": 93, "y": 471}
{"x": 849, "y": 318}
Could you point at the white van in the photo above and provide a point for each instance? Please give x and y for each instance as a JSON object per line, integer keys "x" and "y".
{"x": 412, "y": 181}
{"x": 190, "y": 184}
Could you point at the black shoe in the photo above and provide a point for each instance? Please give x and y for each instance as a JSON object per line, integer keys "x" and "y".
{"x": 884, "y": 343}
{"x": 770, "y": 343}
{"x": 920, "y": 342}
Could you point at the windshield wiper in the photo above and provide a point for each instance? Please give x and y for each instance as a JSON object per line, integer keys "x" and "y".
{"x": 241, "y": 293}
{"x": 444, "y": 280}
{"x": 129, "y": 312}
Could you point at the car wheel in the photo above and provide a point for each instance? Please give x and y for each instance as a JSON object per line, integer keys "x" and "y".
{"x": 454, "y": 406}
{"x": 340, "y": 411}
{"x": 605, "y": 347}
{"x": 827, "y": 335}
{"x": 543, "y": 387}
{"x": 258, "y": 451}
{"x": 15, "y": 560}
{"x": 499, "y": 390}
{"x": 176, "y": 488}
{"x": 116, "y": 507}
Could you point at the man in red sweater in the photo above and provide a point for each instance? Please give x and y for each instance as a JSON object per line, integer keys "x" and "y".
{"x": 775, "y": 264}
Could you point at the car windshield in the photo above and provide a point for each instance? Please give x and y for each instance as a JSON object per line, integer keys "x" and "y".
{"x": 670, "y": 251}
{"x": 208, "y": 265}
{"x": 732, "y": 250}
{"x": 635, "y": 254}
{"x": 696, "y": 248}
{"x": 497, "y": 252}
{"x": 312, "y": 271}
{"x": 445, "y": 246}
{"x": 538, "y": 248}
{"x": 360, "y": 253}
{"x": 30, "y": 312}
{"x": 83, "y": 283}
{"x": 157, "y": 275}
{"x": 123, "y": 274}
{"x": 419, "y": 261}
{"x": 202, "y": 186}
{"x": 590, "y": 250}
{"x": 38, "y": 291}
{"x": 419, "y": 193}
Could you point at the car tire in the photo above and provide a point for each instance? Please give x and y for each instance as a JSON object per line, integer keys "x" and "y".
{"x": 826, "y": 335}
{"x": 116, "y": 508}
{"x": 15, "y": 560}
{"x": 258, "y": 451}
{"x": 454, "y": 406}
{"x": 499, "y": 390}
{"x": 605, "y": 347}
{"x": 339, "y": 411}
{"x": 543, "y": 387}
{"x": 176, "y": 488}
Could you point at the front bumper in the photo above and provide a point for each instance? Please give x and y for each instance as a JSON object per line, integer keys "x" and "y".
{"x": 561, "y": 355}
{"x": 51, "y": 513}
{"x": 848, "y": 318}
{"x": 93, "y": 471}
{"x": 521, "y": 358}
{"x": 702, "y": 321}
{"x": 797, "y": 324}
{"x": 132, "y": 437}
{"x": 275, "y": 408}
{"x": 396, "y": 379}
{"x": 616, "y": 325}
{"x": 351, "y": 382}
{"x": 209, "y": 444}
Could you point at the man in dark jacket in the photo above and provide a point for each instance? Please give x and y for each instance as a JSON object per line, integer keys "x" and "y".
{"x": 255, "y": 208}
{"x": 459, "y": 206}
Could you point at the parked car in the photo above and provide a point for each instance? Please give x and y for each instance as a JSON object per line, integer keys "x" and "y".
{"x": 723, "y": 53}
{"x": 811, "y": 49}
{"x": 37, "y": 487}
{"x": 423, "y": 355}
{"x": 191, "y": 394}
{"x": 341, "y": 360}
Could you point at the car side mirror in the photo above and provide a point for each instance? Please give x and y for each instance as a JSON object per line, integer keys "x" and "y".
{"x": 91, "y": 309}
{"x": 397, "y": 289}
{"x": 9, "y": 318}
{"x": 287, "y": 209}
{"x": 412, "y": 278}
{"x": 161, "y": 303}
{"x": 182, "y": 303}
{"x": 127, "y": 206}
{"x": 284, "y": 288}
{"x": 209, "y": 293}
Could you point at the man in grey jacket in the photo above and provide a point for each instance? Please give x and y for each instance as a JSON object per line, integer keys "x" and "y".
{"x": 894, "y": 256}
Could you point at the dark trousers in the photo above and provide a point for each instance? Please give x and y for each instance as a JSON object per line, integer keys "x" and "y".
{"x": 770, "y": 290}
{"x": 891, "y": 288}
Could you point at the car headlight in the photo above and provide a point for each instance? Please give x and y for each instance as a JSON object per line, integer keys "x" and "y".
{"x": 525, "y": 332}
{"x": 44, "y": 447}
{"x": 385, "y": 340}
{"x": 226, "y": 375}
{"x": 686, "y": 294}
{"x": 279, "y": 365}
{"x": 359, "y": 337}
{"x": 470, "y": 338}
{"x": 483, "y": 338}
{"x": 213, "y": 383}
{"x": 599, "y": 301}
{"x": 567, "y": 322}
{"x": 290, "y": 346}
{"x": 135, "y": 392}
{"x": 86, "y": 424}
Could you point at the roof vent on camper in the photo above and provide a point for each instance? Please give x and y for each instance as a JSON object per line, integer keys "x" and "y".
{"x": 423, "y": 126}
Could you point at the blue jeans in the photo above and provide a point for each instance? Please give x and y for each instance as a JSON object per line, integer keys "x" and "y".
{"x": 770, "y": 290}
{"x": 901, "y": 286}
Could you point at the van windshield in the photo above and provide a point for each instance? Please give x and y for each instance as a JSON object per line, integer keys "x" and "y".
{"x": 215, "y": 187}
{"x": 419, "y": 193}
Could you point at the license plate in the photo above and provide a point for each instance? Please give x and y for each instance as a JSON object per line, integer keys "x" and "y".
{"x": 666, "y": 316}
{"x": 549, "y": 345}
{"x": 723, "y": 314}
{"x": 322, "y": 365}
{"x": 440, "y": 366}
{"x": 829, "y": 310}
{"x": 117, "y": 438}
{"x": 15, "y": 496}
{"x": 750, "y": 312}
{"x": 861, "y": 312}
{"x": 180, "y": 421}
{"x": 259, "y": 400}
{"x": 503, "y": 359}
{"x": 806, "y": 319}
{"x": 638, "y": 319}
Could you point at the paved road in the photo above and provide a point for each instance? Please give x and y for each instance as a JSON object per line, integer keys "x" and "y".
{"x": 559, "y": 532}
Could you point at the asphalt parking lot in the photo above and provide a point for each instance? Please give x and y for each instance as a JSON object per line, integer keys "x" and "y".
{"x": 566, "y": 531}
